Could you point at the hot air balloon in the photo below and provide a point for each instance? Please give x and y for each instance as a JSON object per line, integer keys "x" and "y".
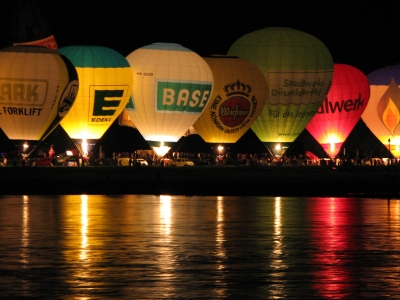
{"x": 171, "y": 88}
{"x": 239, "y": 95}
{"x": 298, "y": 69}
{"x": 38, "y": 86}
{"x": 125, "y": 120}
{"x": 29, "y": 26}
{"x": 346, "y": 101}
{"x": 105, "y": 79}
{"x": 382, "y": 115}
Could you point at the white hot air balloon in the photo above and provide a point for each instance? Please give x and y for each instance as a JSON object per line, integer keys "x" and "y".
{"x": 171, "y": 88}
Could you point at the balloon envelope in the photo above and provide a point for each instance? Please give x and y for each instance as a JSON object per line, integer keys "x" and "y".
{"x": 382, "y": 115}
{"x": 29, "y": 26}
{"x": 347, "y": 99}
{"x": 125, "y": 120}
{"x": 105, "y": 79}
{"x": 38, "y": 86}
{"x": 171, "y": 88}
{"x": 298, "y": 69}
{"x": 239, "y": 95}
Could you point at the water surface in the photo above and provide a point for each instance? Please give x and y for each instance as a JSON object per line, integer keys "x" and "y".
{"x": 176, "y": 247}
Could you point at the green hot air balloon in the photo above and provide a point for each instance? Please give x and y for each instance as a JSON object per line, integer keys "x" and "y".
{"x": 298, "y": 69}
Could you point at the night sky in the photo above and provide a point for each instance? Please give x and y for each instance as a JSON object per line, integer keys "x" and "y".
{"x": 362, "y": 35}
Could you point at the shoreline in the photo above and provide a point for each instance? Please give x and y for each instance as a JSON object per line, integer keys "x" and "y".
{"x": 276, "y": 181}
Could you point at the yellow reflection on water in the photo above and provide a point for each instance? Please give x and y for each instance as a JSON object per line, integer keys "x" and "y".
{"x": 220, "y": 237}
{"x": 277, "y": 249}
{"x": 165, "y": 215}
{"x": 397, "y": 210}
{"x": 277, "y": 217}
{"x": 25, "y": 230}
{"x": 78, "y": 248}
{"x": 394, "y": 210}
{"x": 277, "y": 263}
{"x": 166, "y": 252}
{"x": 84, "y": 226}
{"x": 220, "y": 248}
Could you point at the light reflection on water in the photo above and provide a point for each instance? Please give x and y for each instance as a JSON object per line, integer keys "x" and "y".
{"x": 277, "y": 262}
{"x": 146, "y": 247}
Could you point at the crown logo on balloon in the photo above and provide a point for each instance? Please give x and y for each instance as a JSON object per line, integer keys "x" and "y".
{"x": 237, "y": 88}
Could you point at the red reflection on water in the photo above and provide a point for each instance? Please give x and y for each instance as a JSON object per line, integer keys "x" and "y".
{"x": 332, "y": 222}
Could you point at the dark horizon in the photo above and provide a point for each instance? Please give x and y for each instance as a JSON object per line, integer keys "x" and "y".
{"x": 363, "y": 36}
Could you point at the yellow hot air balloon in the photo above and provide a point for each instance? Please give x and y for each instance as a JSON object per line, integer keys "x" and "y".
{"x": 37, "y": 88}
{"x": 105, "y": 87}
{"x": 239, "y": 95}
{"x": 171, "y": 88}
{"x": 299, "y": 70}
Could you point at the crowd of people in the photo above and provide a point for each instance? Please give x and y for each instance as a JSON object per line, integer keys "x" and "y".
{"x": 240, "y": 159}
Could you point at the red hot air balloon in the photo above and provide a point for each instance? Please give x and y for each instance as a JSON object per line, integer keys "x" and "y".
{"x": 346, "y": 101}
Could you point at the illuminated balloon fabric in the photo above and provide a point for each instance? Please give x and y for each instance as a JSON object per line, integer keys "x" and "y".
{"x": 347, "y": 99}
{"x": 125, "y": 120}
{"x": 239, "y": 95}
{"x": 28, "y": 25}
{"x": 382, "y": 115}
{"x": 171, "y": 87}
{"x": 105, "y": 80}
{"x": 37, "y": 88}
{"x": 298, "y": 68}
